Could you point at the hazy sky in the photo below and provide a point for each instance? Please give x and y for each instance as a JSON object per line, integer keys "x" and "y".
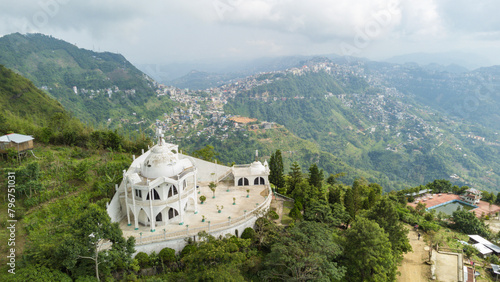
{"x": 163, "y": 31}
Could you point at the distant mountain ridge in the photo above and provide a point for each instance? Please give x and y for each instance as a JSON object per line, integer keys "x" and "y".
{"x": 467, "y": 60}
{"x": 97, "y": 87}
{"x": 355, "y": 112}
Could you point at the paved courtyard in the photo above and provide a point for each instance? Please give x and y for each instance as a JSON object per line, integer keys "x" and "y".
{"x": 208, "y": 209}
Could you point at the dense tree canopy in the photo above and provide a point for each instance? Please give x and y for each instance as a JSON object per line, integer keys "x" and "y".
{"x": 304, "y": 253}
{"x": 468, "y": 223}
{"x": 368, "y": 253}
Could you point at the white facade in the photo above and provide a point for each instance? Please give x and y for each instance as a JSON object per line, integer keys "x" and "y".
{"x": 159, "y": 188}
{"x": 255, "y": 173}
{"x": 160, "y": 191}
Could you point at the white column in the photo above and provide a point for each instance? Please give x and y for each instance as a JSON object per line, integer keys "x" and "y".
{"x": 181, "y": 214}
{"x": 152, "y": 216}
{"x": 126, "y": 198}
{"x": 136, "y": 214}
{"x": 194, "y": 194}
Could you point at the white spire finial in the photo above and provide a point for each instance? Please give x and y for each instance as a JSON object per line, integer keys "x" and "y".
{"x": 159, "y": 134}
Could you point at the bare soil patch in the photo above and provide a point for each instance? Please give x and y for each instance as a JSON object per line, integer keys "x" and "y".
{"x": 243, "y": 119}
{"x": 414, "y": 267}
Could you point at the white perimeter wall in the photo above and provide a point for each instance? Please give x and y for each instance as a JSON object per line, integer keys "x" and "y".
{"x": 179, "y": 244}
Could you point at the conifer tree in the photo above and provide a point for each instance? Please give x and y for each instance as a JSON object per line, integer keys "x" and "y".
{"x": 276, "y": 167}
{"x": 315, "y": 176}
{"x": 295, "y": 177}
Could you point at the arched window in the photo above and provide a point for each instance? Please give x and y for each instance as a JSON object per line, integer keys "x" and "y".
{"x": 156, "y": 196}
{"x": 159, "y": 217}
{"x": 172, "y": 191}
{"x": 259, "y": 181}
{"x": 172, "y": 213}
{"x": 243, "y": 181}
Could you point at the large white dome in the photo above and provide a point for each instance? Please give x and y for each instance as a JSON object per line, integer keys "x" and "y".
{"x": 162, "y": 162}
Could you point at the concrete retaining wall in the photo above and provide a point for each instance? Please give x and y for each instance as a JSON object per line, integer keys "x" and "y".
{"x": 179, "y": 244}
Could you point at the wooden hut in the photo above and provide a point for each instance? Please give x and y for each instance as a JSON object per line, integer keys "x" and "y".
{"x": 19, "y": 142}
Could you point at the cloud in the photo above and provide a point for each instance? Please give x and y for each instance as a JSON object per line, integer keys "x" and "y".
{"x": 318, "y": 20}
{"x": 151, "y": 31}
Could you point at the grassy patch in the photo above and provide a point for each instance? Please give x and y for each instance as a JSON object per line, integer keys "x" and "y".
{"x": 285, "y": 219}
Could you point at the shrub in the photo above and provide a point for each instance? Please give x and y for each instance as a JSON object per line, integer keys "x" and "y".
{"x": 295, "y": 213}
{"x": 273, "y": 215}
{"x": 143, "y": 259}
{"x": 187, "y": 250}
{"x": 167, "y": 255}
{"x": 38, "y": 273}
{"x": 248, "y": 233}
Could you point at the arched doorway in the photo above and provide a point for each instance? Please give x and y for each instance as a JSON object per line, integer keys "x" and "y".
{"x": 143, "y": 217}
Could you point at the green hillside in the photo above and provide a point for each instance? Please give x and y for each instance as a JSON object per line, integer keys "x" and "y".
{"x": 470, "y": 97}
{"x": 240, "y": 148}
{"x": 110, "y": 91}
{"x": 20, "y": 100}
{"x": 372, "y": 129}
{"x": 27, "y": 110}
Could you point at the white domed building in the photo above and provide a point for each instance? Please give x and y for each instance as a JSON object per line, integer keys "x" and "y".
{"x": 162, "y": 189}
{"x": 159, "y": 188}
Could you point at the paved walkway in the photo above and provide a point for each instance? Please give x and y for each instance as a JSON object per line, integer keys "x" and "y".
{"x": 414, "y": 267}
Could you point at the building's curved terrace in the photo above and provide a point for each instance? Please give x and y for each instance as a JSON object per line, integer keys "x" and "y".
{"x": 246, "y": 207}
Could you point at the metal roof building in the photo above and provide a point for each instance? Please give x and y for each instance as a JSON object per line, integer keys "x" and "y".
{"x": 480, "y": 240}
{"x": 17, "y": 141}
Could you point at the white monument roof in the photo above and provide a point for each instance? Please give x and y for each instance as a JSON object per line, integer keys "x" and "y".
{"x": 162, "y": 162}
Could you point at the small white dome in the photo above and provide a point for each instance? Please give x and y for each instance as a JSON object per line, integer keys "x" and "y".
{"x": 161, "y": 162}
{"x": 257, "y": 168}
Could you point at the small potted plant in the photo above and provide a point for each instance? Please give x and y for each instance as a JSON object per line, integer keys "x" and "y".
{"x": 234, "y": 201}
{"x": 248, "y": 193}
{"x": 219, "y": 209}
{"x": 202, "y": 218}
{"x": 202, "y": 199}
{"x": 212, "y": 187}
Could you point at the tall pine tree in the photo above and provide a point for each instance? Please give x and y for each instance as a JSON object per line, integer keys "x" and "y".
{"x": 315, "y": 176}
{"x": 276, "y": 167}
{"x": 295, "y": 177}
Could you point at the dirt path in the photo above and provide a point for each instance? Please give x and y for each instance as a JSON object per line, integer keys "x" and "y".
{"x": 414, "y": 268}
